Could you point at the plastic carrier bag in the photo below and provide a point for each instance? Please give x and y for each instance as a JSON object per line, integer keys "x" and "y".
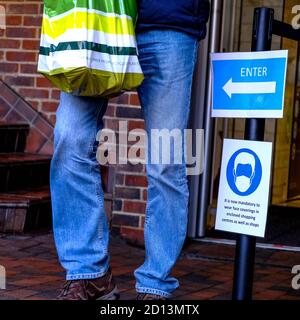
{"x": 88, "y": 47}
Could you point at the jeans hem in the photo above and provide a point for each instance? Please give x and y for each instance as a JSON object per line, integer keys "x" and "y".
{"x": 83, "y": 276}
{"x": 154, "y": 291}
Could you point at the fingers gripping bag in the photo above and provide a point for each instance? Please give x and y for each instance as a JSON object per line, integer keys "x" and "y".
{"x": 88, "y": 47}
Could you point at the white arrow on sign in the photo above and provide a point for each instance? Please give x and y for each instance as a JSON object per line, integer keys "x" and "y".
{"x": 249, "y": 87}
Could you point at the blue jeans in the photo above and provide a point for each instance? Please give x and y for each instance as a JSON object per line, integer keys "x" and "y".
{"x": 80, "y": 226}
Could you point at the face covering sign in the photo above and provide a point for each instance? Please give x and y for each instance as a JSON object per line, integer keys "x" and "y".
{"x": 244, "y": 187}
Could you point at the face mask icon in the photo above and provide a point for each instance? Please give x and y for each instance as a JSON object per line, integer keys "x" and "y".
{"x": 244, "y": 171}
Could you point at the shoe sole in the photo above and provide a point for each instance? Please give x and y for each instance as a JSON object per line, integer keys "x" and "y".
{"x": 113, "y": 295}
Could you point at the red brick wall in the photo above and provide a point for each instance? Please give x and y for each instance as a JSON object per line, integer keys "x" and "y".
{"x": 19, "y": 45}
{"x": 15, "y": 108}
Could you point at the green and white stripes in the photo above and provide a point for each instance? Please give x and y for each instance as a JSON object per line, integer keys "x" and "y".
{"x": 89, "y": 47}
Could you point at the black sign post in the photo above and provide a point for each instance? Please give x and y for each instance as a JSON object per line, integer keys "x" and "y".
{"x": 245, "y": 246}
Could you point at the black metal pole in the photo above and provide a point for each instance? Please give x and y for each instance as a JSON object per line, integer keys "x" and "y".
{"x": 245, "y": 246}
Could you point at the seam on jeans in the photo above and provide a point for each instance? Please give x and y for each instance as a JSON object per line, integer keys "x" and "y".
{"x": 100, "y": 192}
{"x": 98, "y": 182}
{"x": 147, "y": 215}
{"x": 86, "y": 275}
{"x": 196, "y": 45}
{"x": 146, "y": 223}
{"x": 181, "y": 173}
{"x": 153, "y": 291}
{"x": 91, "y": 145}
{"x": 182, "y": 178}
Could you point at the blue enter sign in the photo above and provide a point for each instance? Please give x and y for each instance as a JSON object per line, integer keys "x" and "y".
{"x": 249, "y": 84}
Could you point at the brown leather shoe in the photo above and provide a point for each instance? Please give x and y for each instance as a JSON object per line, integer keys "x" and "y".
{"x": 103, "y": 288}
{"x": 149, "y": 296}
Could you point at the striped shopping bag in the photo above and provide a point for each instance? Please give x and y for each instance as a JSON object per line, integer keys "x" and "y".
{"x": 88, "y": 47}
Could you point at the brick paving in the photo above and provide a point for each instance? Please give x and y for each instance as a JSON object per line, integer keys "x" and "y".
{"x": 204, "y": 270}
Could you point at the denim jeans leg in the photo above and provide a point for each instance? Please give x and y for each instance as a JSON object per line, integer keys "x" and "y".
{"x": 80, "y": 225}
{"x": 168, "y": 59}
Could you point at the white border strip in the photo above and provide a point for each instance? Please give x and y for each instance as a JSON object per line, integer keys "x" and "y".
{"x": 232, "y": 113}
{"x": 258, "y": 245}
{"x": 249, "y": 55}
{"x": 91, "y": 60}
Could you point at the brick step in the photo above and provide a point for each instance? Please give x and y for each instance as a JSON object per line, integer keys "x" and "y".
{"x": 13, "y": 136}
{"x": 19, "y": 171}
{"x": 30, "y": 210}
{"x": 25, "y": 211}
